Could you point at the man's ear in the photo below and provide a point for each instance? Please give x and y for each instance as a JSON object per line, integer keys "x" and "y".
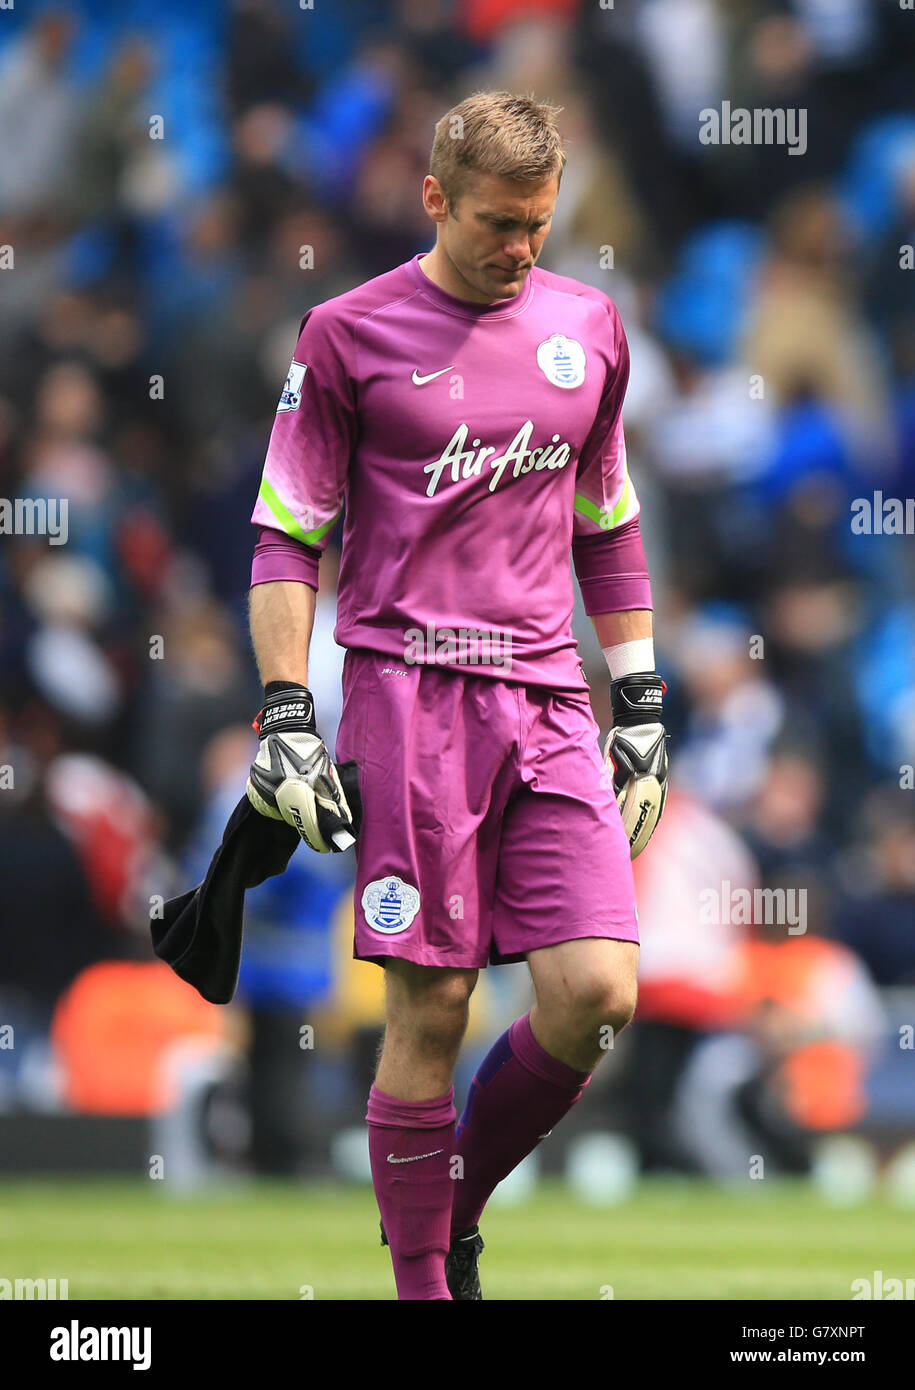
{"x": 437, "y": 202}
{"x": 434, "y": 200}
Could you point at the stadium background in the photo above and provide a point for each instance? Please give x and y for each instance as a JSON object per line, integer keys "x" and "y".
{"x": 178, "y": 183}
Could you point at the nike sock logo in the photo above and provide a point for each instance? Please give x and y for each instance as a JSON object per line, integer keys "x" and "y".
{"x": 415, "y": 1158}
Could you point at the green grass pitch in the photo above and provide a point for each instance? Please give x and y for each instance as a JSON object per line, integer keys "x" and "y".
{"x": 670, "y": 1240}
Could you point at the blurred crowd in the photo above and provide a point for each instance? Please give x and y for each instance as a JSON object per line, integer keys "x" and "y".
{"x": 178, "y": 184}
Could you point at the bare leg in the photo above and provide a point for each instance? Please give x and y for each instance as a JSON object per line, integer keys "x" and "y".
{"x": 411, "y": 1120}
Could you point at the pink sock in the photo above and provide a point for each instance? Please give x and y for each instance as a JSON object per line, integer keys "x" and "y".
{"x": 411, "y": 1145}
{"x": 519, "y": 1093}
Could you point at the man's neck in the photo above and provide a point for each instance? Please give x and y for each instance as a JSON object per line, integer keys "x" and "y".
{"x": 443, "y": 272}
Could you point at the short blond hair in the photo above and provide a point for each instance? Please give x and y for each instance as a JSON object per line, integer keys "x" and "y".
{"x": 499, "y": 133}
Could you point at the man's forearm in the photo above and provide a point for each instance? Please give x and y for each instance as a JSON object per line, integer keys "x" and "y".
{"x": 281, "y": 615}
{"x": 629, "y": 625}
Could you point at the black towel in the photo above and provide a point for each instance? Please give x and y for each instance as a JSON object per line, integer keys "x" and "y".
{"x": 200, "y": 933}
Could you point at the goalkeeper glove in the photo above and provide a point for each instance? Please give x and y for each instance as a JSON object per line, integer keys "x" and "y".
{"x": 293, "y": 777}
{"x": 636, "y": 755}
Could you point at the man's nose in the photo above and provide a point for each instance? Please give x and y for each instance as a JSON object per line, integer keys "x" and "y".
{"x": 518, "y": 248}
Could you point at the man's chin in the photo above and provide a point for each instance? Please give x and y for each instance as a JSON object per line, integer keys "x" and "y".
{"x": 507, "y": 286}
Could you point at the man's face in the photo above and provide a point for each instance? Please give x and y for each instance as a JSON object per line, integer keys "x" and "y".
{"x": 494, "y": 233}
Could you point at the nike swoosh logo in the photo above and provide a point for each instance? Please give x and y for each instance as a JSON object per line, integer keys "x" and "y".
{"x": 416, "y": 1157}
{"x": 421, "y": 380}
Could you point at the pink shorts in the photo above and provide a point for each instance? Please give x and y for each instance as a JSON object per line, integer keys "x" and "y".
{"x": 490, "y": 826}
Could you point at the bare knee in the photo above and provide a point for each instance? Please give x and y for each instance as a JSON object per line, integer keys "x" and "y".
{"x": 428, "y": 1004}
{"x": 604, "y": 1002}
{"x": 579, "y": 1021}
{"x": 586, "y": 994}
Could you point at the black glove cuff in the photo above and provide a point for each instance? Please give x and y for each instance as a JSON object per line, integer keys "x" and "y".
{"x": 278, "y": 687}
{"x": 286, "y": 706}
{"x": 637, "y": 699}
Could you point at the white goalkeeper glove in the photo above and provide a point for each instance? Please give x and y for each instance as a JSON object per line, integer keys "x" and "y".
{"x": 636, "y": 755}
{"x": 293, "y": 777}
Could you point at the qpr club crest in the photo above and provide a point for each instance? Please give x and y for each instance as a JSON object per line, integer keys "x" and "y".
{"x": 390, "y": 905}
{"x": 291, "y": 396}
{"x": 562, "y": 361}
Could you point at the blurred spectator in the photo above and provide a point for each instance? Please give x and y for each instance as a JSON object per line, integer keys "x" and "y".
{"x": 260, "y": 58}
{"x": 813, "y": 1020}
{"x": 807, "y": 328}
{"x": 735, "y": 710}
{"x": 115, "y": 136}
{"x": 684, "y": 42}
{"x": 877, "y": 918}
{"x": 116, "y": 1031}
{"x": 196, "y": 685}
{"x": 50, "y": 925}
{"x": 112, "y": 824}
{"x": 809, "y": 625}
{"x": 686, "y": 967}
{"x": 37, "y": 111}
{"x": 783, "y": 827}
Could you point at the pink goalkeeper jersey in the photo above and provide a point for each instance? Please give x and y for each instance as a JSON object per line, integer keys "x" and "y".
{"x": 475, "y": 447}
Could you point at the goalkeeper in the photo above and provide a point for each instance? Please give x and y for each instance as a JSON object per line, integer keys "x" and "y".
{"x": 465, "y": 409}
